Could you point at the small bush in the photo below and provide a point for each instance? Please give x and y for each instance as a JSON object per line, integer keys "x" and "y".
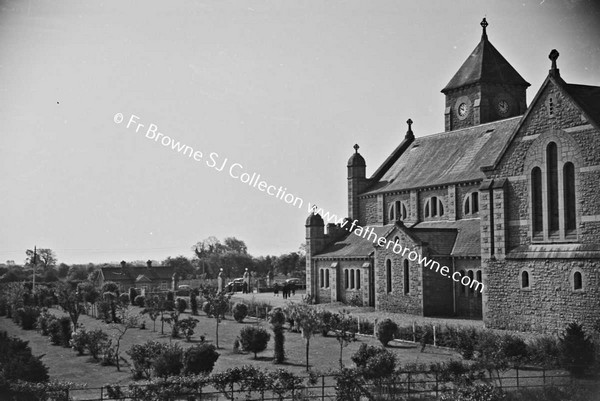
{"x": 386, "y": 330}
{"x": 28, "y": 317}
{"x": 43, "y": 321}
{"x": 544, "y": 351}
{"x": 18, "y": 363}
{"x": 140, "y": 301}
{"x": 374, "y": 362}
{"x": 200, "y": 359}
{"x": 187, "y": 326}
{"x": 576, "y": 350}
{"x": 124, "y": 299}
{"x": 254, "y": 339}
{"x": 169, "y": 362}
{"x": 181, "y": 305}
{"x": 97, "y": 340}
{"x": 143, "y": 356}
{"x": 240, "y": 311}
{"x": 79, "y": 341}
{"x": 54, "y": 331}
{"x": 326, "y": 322}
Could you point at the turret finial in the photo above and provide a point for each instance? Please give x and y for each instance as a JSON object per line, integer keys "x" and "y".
{"x": 409, "y": 133}
{"x": 484, "y": 24}
{"x": 553, "y": 56}
{"x": 356, "y": 147}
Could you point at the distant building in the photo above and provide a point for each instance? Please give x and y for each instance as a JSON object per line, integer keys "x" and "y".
{"x": 147, "y": 278}
{"x": 507, "y": 196}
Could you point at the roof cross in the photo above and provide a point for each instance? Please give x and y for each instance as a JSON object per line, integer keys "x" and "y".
{"x": 356, "y": 147}
{"x": 484, "y": 24}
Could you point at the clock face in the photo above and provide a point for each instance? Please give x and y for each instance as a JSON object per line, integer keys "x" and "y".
{"x": 463, "y": 109}
{"x": 503, "y": 107}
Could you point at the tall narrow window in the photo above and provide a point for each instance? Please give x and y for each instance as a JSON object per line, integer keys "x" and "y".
{"x": 404, "y": 213}
{"x": 322, "y": 278}
{"x": 552, "y": 185}
{"x": 525, "y": 280}
{"x": 471, "y": 288}
{"x": 346, "y": 278}
{"x": 577, "y": 281}
{"x": 434, "y": 206}
{"x": 391, "y": 213}
{"x": 479, "y": 280}
{"x": 358, "y": 279}
{"x": 569, "y": 194}
{"x": 440, "y": 208}
{"x": 427, "y": 208}
{"x": 327, "y": 278}
{"x": 475, "y": 198}
{"x": 468, "y": 205}
{"x": 352, "y": 278}
{"x": 406, "y": 277}
{"x": 537, "y": 204}
{"x": 388, "y": 275}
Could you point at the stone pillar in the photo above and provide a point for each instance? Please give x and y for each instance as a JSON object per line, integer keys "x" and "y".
{"x": 499, "y": 201}
{"x": 452, "y": 210}
{"x": 380, "y": 208}
{"x": 486, "y": 214}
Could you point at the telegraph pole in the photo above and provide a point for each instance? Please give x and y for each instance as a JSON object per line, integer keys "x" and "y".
{"x": 34, "y": 265}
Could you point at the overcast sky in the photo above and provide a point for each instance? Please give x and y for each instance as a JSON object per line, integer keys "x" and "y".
{"x": 283, "y": 88}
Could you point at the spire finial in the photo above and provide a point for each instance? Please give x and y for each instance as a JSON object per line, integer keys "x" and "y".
{"x": 356, "y": 147}
{"x": 409, "y": 133}
{"x": 484, "y": 24}
{"x": 553, "y": 56}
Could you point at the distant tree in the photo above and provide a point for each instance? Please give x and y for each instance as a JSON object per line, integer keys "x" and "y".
{"x": 45, "y": 258}
{"x": 288, "y": 263}
{"x": 110, "y": 286}
{"x": 235, "y": 245}
{"x": 93, "y": 276}
{"x": 71, "y": 301}
{"x": 90, "y": 294}
{"x": 77, "y": 273}
{"x": 183, "y": 266}
{"x": 63, "y": 270}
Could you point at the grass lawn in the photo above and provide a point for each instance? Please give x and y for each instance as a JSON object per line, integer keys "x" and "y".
{"x": 64, "y": 364}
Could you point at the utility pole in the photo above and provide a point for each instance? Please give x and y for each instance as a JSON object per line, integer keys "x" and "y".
{"x": 34, "y": 265}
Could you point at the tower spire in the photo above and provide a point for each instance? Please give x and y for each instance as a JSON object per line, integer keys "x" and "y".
{"x": 484, "y": 24}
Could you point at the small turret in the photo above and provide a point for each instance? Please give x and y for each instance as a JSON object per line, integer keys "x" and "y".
{"x": 357, "y": 181}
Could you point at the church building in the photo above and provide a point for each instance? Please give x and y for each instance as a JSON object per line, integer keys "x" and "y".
{"x": 506, "y": 196}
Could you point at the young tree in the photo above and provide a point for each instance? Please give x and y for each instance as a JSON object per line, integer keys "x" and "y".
{"x": 306, "y": 319}
{"x": 254, "y": 339}
{"x": 218, "y": 303}
{"x": 345, "y": 331}
{"x": 71, "y": 301}
{"x": 129, "y": 321}
{"x": 151, "y": 309}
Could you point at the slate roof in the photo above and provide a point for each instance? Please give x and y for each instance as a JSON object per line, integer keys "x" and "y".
{"x": 485, "y": 65}
{"x": 466, "y": 240}
{"x": 132, "y": 273}
{"x": 353, "y": 245}
{"x": 448, "y": 157}
{"x": 450, "y": 238}
{"x": 588, "y": 98}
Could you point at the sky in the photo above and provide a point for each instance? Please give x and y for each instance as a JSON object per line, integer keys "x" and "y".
{"x": 283, "y": 89}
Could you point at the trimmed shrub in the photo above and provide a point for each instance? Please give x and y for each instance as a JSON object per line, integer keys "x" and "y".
{"x": 54, "y": 331}
{"x": 181, "y": 305}
{"x": 194, "y": 302}
{"x": 110, "y": 286}
{"x": 277, "y": 320}
{"x": 200, "y": 359}
{"x": 576, "y": 350}
{"x": 28, "y": 317}
{"x": 79, "y": 341}
{"x": 143, "y": 356}
{"x": 169, "y": 362}
{"x": 386, "y": 330}
{"x": 140, "y": 301}
{"x": 187, "y": 326}
{"x": 254, "y": 339}
{"x": 43, "y": 321}
{"x": 124, "y": 299}
{"x": 374, "y": 362}
{"x": 240, "y": 311}
{"x": 65, "y": 330}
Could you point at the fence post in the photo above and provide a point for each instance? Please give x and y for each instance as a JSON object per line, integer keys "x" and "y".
{"x": 408, "y": 379}
{"x": 436, "y": 383}
{"x": 322, "y": 387}
{"x": 414, "y": 334}
{"x": 101, "y": 393}
{"x": 434, "y": 338}
{"x": 544, "y": 377}
{"x": 517, "y": 376}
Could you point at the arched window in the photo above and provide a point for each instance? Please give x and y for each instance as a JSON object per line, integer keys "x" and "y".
{"x": 388, "y": 275}
{"x": 475, "y": 198}
{"x": 352, "y": 278}
{"x": 569, "y": 194}
{"x": 468, "y": 205}
{"x": 536, "y": 200}
{"x": 471, "y": 203}
{"x": 327, "y": 278}
{"x": 406, "y": 277}
{"x": 525, "y": 279}
{"x": 471, "y": 287}
{"x": 427, "y": 208}
{"x": 434, "y": 205}
{"x": 346, "y": 278}
{"x": 401, "y": 211}
{"x": 391, "y": 214}
{"x": 358, "y": 279}
{"x": 577, "y": 281}
{"x": 322, "y": 278}
{"x": 552, "y": 185}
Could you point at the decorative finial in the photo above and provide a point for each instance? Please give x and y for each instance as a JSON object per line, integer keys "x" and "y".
{"x": 409, "y": 133}
{"x": 356, "y": 147}
{"x": 484, "y": 24}
{"x": 553, "y": 56}
{"x": 314, "y": 208}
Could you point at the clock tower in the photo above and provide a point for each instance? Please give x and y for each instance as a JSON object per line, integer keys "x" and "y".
{"x": 486, "y": 88}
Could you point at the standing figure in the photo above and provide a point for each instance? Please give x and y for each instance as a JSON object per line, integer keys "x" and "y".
{"x": 276, "y": 289}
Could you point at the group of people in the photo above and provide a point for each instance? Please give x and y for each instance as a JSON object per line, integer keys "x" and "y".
{"x": 287, "y": 290}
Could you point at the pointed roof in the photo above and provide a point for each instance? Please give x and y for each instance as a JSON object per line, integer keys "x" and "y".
{"x": 485, "y": 65}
